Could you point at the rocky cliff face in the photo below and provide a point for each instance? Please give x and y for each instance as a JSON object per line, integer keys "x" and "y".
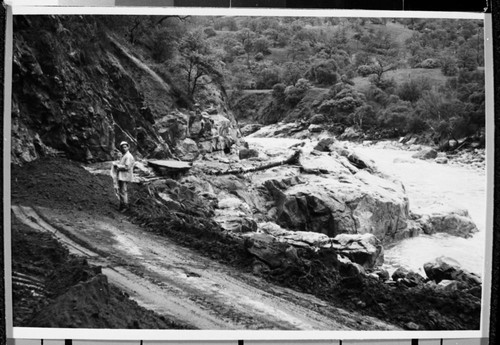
{"x": 79, "y": 91}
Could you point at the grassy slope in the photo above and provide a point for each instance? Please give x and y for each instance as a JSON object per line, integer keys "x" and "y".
{"x": 404, "y": 74}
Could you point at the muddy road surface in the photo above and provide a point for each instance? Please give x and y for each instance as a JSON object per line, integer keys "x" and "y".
{"x": 183, "y": 285}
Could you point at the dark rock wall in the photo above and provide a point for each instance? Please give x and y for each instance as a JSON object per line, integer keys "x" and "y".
{"x": 78, "y": 92}
{"x": 70, "y": 92}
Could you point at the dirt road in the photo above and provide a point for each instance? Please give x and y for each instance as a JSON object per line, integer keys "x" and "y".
{"x": 183, "y": 285}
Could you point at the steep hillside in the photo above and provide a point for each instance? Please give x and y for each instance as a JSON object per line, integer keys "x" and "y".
{"x": 78, "y": 91}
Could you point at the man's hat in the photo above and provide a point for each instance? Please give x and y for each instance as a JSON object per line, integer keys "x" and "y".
{"x": 124, "y": 143}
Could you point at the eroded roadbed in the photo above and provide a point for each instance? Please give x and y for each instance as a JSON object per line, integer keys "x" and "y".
{"x": 183, "y": 285}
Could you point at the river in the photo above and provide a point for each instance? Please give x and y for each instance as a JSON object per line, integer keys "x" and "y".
{"x": 426, "y": 183}
{"x": 429, "y": 183}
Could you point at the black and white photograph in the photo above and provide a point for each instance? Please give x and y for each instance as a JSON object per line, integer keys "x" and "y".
{"x": 253, "y": 172}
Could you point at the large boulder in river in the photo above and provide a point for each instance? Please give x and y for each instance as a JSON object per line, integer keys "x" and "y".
{"x": 444, "y": 268}
{"x": 426, "y": 153}
{"x": 440, "y": 218}
{"x": 336, "y": 201}
{"x": 324, "y": 144}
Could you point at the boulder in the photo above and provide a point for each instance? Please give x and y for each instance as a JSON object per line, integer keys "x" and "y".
{"x": 399, "y": 273}
{"x": 449, "y": 285}
{"x": 295, "y": 238}
{"x": 440, "y": 218}
{"x": 173, "y": 127}
{"x": 355, "y": 204}
{"x": 411, "y": 141}
{"x": 351, "y": 133}
{"x": 248, "y": 153}
{"x": 250, "y": 128}
{"x": 234, "y": 204}
{"x": 441, "y": 160}
{"x": 363, "y": 249}
{"x": 426, "y": 153}
{"x": 237, "y": 223}
{"x": 358, "y": 160}
{"x": 267, "y": 249}
{"x": 382, "y": 274}
{"x": 407, "y": 277}
{"x": 187, "y": 149}
{"x": 445, "y": 268}
{"x": 285, "y": 130}
{"x": 324, "y": 144}
{"x": 347, "y": 268}
{"x": 315, "y": 128}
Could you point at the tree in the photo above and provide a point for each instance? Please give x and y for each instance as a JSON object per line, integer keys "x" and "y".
{"x": 297, "y": 50}
{"x": 246, "y": 38}
{"x": 197, "y": 61}
{"x": 261, "y": 45}
{"x": 324, "y": 72}
{"x": 342, "y": 103}
{"x": 412, "y": 89}
{"x": 363, "y": 117}
{"x": 449, "y": 66}
{"x": 467, "y": 58}
{"x": 268, "y": 77}
{"x": 293, "y": 71}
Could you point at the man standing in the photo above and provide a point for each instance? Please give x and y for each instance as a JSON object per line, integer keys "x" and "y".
{"x": 124, "y": 170}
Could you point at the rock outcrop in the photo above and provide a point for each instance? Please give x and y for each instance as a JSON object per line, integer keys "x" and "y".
{"x": 336, "y": 201}
{"x": 78, "y": 97}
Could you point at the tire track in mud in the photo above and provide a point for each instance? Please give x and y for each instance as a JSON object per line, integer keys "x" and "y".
{"x": 183, "y": 285}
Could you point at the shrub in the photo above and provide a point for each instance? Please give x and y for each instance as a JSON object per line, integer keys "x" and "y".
{"x": 366, "y": 70}
{"x": 324, "y": 72}
{"x": 268, "y": 77}
{"x": 416, "y": 125}
{"x": 259, "y": 57}
{"x": 279, "y": 91}
{"x": 294, "y": 94}
{"x": 317, "y": 119}
{"x": 412, "y": 89}
{"x": 210, "y": 32}
{"x": 364, "y": 117}
{"x": 388, "y": 85}
{"x": 261, "y": 45}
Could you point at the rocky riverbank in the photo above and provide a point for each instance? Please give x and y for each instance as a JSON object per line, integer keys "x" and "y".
{"x": 330, "y": 207}
{"x": 317, "y": 223}
{"x": 250, "y": 232}
{"x": 470, "y": 155}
